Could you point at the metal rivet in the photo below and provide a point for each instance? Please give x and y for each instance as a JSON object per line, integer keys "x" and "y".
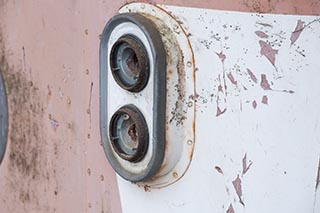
{"x": 189, "y": 142}
{"x": 175, "y": 174}
{"x": 142, "y": 6}
{"x": 189, "y": 64}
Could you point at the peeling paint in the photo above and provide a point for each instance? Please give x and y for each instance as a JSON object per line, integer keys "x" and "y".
{"x": 230, "y": 209}
{"x": 254, "y": 104}
{"x": 264, "y": 82}
{"x": 297, "y": 31}
{"x": 264, "y": 99}
{"x": 261, "y": 34}
{"x": 245, "y": 165}
{"x": 252, "y": 76}
{"x": 268, "y": 52}
{"x": 221, "y": 56}
{"x": 237, "y": 186}
{"x": 220, "y": 112}
{"x": 231, "y": 78}
{"x": 218, "y": 169}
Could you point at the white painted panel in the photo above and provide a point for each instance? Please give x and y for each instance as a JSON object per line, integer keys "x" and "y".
{"x": 257, "y": 119}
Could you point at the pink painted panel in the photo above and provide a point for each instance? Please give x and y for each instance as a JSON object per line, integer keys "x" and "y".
{"x": 49, "y": 56}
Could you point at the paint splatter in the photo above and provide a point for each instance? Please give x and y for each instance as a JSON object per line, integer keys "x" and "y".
{"x": 264, "y": 99}
{"x": 268, "y": 52}
{"x": 54, "y": 124}
{"x": 221, "y": 56}
{"x": 220, "y": 112}
{"x": 297, "y": 31}
{"x": 261, "y": 34}
{"x": 218, "y": 169}
{"x": 318, "y": 176}
{"x": 264, "y": 82}
{"x": 245, "y": 166}
{"x": 252, "y": 76}
{"x": 254, "y": 104}
{"x": 230, "y": 209}
{"x": 231, "y": 78}
{"x": 237, "y": 186}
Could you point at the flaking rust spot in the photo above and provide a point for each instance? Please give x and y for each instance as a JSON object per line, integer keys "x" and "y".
{"x": 297, "y": 31}
{"x": 230, "y": 209}
{"x": 268, "y": 51}
{"x": 264, "y": 82}
{"x": 237, "y": 186}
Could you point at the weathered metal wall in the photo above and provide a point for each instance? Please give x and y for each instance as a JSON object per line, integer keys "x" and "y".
{"x": 54, "y": 161}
